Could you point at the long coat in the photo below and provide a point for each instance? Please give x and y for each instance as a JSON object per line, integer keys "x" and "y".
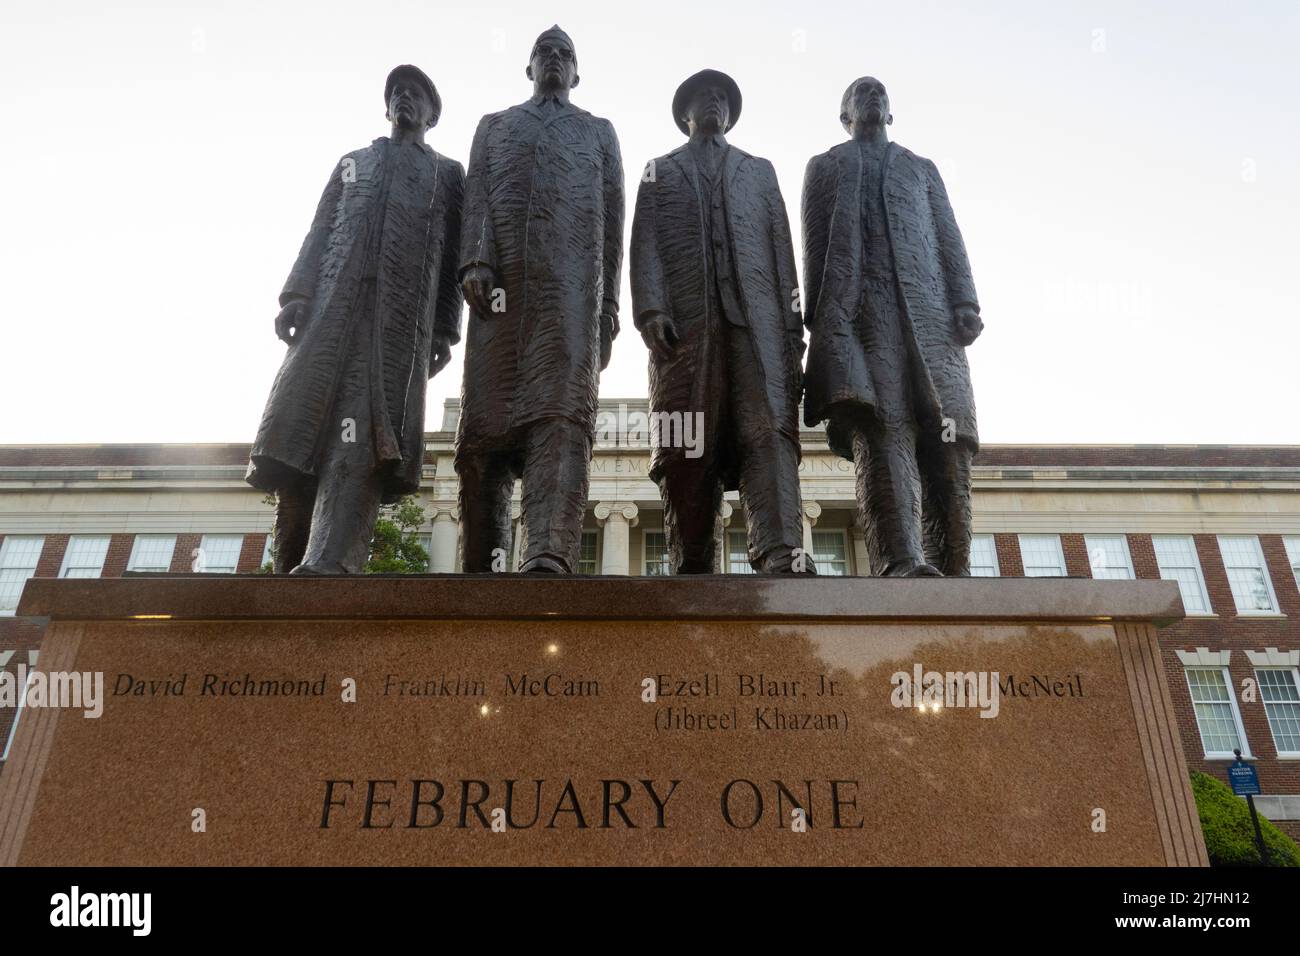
{"x": 669, "y": 245}
{"x": 932, "y": 270}
{"x": 543, "y": 209}
{"x": 417, "y": 293}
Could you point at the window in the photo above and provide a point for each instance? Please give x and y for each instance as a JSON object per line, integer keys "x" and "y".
{"x": 1293, "y": 557}
{"x": 1042, "y": 555}
{"x": 19, "y": 555}
{"x": 269, "y": 558}
{"x": 219, "y": 553}
{"x": 738, "y": 553}
{"x": 587, "y": 554}
{"x": 830, "y": 553}
{"x": 1176, "y": 557}
{"x": 1108, "y": 555}
{"x": 85, "y": 555}
{"x": 1279, "y": 689}
{"x": 655, "y": 558}
{"x": 1244, "y": 561}
{"x": 1216, "y": 711}
{"x": 152, "y": 552}
{"x": 983, "y": 556}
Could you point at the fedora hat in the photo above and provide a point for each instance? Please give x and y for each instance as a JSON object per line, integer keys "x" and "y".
{"x": 689, "y": 87}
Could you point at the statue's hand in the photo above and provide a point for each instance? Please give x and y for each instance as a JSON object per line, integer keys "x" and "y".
{"x": 440, "y": 354}
{"x": 291, "y": 320}
{"x": 477, "y": 283}
{"x": 608, "y": 332}
{"x": 660, "y": 335}
{"x": 969, "y": 325}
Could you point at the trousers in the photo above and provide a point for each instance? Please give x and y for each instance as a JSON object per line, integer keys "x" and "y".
{"x": 552, "y": 457}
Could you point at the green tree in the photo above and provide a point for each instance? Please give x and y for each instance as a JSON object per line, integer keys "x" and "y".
{"x": 395, "y": 548}
{"x": 1229, "y": 834}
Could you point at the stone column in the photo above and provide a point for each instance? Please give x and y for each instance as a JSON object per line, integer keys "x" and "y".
{"x": 722, "y": 556}
{"x": 811, "y": 512}
{"x": 442, "y": 545}
{"x": 517, "y": 531}
{"x": 861, "y": 560}
{"x": 617, "y": 518}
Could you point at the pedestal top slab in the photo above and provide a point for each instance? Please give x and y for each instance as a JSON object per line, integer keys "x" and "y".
{"x": 251, "y": 597}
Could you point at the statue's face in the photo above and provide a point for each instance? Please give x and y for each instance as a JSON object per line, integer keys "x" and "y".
{"x": 709, "y": 110}
{"x": 869, "y": 104}
{"x": 409, "y": 105}
{"x": 553, "y": 64}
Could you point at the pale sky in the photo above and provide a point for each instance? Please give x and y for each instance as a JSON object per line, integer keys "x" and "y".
{"x": 1126, "y": 181}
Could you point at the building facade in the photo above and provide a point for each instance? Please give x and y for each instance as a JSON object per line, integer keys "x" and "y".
{"x": 1223, "y": 521}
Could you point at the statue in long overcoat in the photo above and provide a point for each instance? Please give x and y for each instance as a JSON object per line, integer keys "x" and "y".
{"x": 369, "y": 314}
{"x": 540, "y": 262}
{"x": 714, "y": 294}
{"x": 891, "y": 307}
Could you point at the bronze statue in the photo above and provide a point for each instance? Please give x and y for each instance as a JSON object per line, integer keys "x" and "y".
{"x": 540, "y": 260}
{"x": 891, "y": 308}
{"x": 369, "y": 314}
{"x": 715, "y": 297}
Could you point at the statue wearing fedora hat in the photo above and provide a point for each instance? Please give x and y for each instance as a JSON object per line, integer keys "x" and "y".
{"x": 369, "y": 314}
{"x": 540, "y": 261}
{"x": 714, "y": 293}
{"x": 891, "y": 308}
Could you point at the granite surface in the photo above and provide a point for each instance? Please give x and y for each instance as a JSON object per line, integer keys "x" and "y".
{"x": 668, "y": 722}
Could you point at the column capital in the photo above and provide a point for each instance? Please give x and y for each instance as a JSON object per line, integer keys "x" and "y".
{"x": 726, "y": 511}
{"x": 444, "y": 510}
{"x": 605, "y": 510}
{"x": 811, "y": 512}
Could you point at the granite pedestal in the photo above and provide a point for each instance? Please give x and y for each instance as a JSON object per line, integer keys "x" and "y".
{"x": 499, "y": 719}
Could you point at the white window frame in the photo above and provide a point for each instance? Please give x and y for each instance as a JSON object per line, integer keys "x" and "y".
{"x": 844, "y": 544}
{"x": 1292, "y": 544}
{"x": 1196, "y": 566}
{"x": 6, "y": 547}
{"x": 1294, "y": 672}
{"x": 726, "y": 551}
{"x": 75, "y": 539}
{"x": 1093, "y": 542}
{"x": 203, "y": 542}
{"x": 132, "y": 563}
{"x": 1276, "y": 609}
{"x": 595, "y": 535}
{"x": 1232, "y": 703}
{"x": 1060, "y": 554}
{"x": 993, "y": 550}
{"x": 645, "y": 557}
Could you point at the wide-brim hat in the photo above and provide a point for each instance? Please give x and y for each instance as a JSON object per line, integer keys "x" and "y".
{"x": 417, "y": 74}
{"x": 682, "y": 98}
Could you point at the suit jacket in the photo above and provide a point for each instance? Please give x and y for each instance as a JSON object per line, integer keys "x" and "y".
{"x": 543, "y": 209}
{"x": 669, "y": 245}
{"x": 417, "y": 293}
{"x": 933, "y": 273}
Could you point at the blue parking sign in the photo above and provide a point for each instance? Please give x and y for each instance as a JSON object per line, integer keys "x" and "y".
{"x": 1243, "y": 778}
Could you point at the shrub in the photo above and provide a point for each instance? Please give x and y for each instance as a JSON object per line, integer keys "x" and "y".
{"x": 1229, "y": 834}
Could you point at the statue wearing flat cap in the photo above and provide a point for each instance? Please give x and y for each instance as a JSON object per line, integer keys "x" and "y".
{"x": 715, "y": 297}
{"x": 369, "y": 314}
{"x": 891, "y": 308}
{"x": 540, "y": 260}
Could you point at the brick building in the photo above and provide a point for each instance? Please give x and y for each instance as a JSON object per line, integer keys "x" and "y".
{"x": 1224, "y": 521}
